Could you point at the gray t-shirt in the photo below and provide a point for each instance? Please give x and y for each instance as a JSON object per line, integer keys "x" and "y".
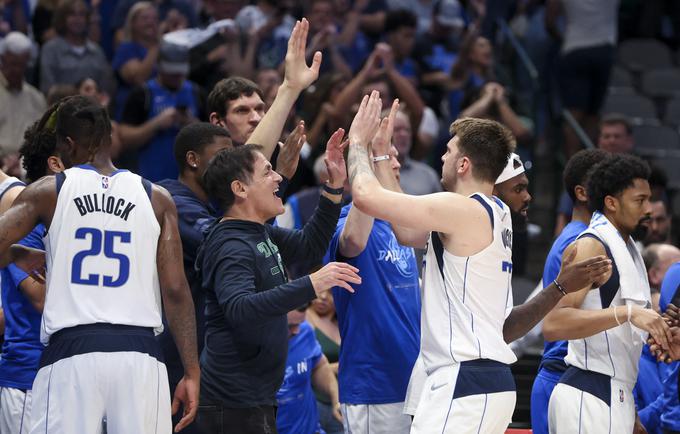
{"x": 590, "y": 23}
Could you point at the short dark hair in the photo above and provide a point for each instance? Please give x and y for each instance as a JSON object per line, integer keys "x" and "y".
{"x": 612, "y": 176}
{"x": 85, "y": 121}
{"x": 578, "y": 167}
{"x": 486, "y": 143}
{"x": 399, "y": 18}
{"x": 229, "y": 165}
{"x": 39, "y": 144}
{"x": 230, "y": 89}
{"x": 617, "y": 119}
{"x": 195, "y": 137}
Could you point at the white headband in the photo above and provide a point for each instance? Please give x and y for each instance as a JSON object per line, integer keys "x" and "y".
{"x": 513, "y": 168}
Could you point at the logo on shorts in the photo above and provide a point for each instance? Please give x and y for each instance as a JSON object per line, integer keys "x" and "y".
{"x": 105, "y": 182}
{"x": 433, "y": 388}
{"x": 621, "y": 395}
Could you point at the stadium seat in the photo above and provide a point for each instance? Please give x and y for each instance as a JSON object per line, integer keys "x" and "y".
{"x": 670, "y": 166}
{"x": 633, "y": 105}
{"x": 620, "y": 77}
{"x": 641, "y": 54}
{"x": 656, "y": 141}
{"x": 672, "y": 112}
{"x": 661, "y": 83}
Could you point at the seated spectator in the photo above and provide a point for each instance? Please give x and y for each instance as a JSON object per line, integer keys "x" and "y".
{"x": 237, "y": 105}
{"x": 169, "y": 12}
{"x": 306, "y": 366}
{"x": 20, "y": 103}
{"x": 616, "y": 134}
{"x": 155, "y": 112}
{"x": 658, "y": 258}
{"x": 137, "y": 55}
{"x": 14, "y": 16}
{"x": 269, "y": 81}
{"x": 322, "y": 317}
{"x": 42, "y": 21}
{"x": 659, "y": 225}
{"x": 400, "y": 35}
{"x": 492, "y": 103}
{"x": 71, "y": 56}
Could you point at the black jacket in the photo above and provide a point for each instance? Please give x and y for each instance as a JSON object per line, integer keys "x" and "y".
{"x": 241, "y": 266}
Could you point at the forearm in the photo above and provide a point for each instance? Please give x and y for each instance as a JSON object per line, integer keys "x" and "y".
{"x": 355, "y": 233}
{"x": 373, "y": 23}
{"x": 349, "y": 29}
{"x": 268, "y": 131}
{"x": 350, "y": 93}
{"x": 478, "y": 109}
{"x": 339, "y": 64}
{"x": 135, "y": 136}
{"x": 324, "y": 381}
{"x": 244, "y": 307}
{"x": 524, "y": 317}
{"x": 179, "y": 311}
{"x": 409, "y": 95}
{"x": 572, "y": 323}
{"x": 510, "y": 119}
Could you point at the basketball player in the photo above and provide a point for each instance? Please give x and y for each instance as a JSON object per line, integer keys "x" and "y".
{"x": 466, "y": 279}
{"x": 112, "y": 250}
{"x": 606, "y": 326}
{"x": 24, "y": 296}
{"x": 552, "y": 364}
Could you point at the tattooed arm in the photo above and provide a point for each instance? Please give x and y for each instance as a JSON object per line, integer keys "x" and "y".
{"x": 179, "y": 306}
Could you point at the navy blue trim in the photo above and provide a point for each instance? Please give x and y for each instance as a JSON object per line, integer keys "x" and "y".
{"x": 481, "y": 421}
{"x": 481, "y": 376}
{"x": 609, "y": 352}
{"x": 11, "y": 186}
{"x": 598, "y": 385}
{"x": 148, "y": 187}
{"x": 580, "y": 411}
{"x": 100, "y": 337}
{"x": 554, "y": 366}
{"x": 47, "y": 411}
{"x": 91, "y": 167}
{"x": 59, "y": 178}
{"x": 611, "y": 287}
{"x": 479, "y": 199}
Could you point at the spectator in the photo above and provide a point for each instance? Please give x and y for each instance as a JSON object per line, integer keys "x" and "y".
{"x": 306, "y": 366}
{"x": 493, "y": 104}
{"x": 136, "y": 58}
{"x": 415, "y": 177}
{"x": 43, "y": 21}
{"x": 59, "y": 92}
{"x": 241, "y": 267}
{"x": 268, "y": 80}
{"x": 670, "y": 416}
{"x": 658, "y": 258}
{"x": 325, "y": 36}
{"x": 616, "y": 134}
{"x": 322, "y": 317}
{"x": 155, "y": 112}
{"x": 20, "y": 103}
{"x": 170, "y": 13}
{"x": 194, "y": 147}
{"x": 237, "y": 105}
{"x": 379, "y": 323}
{"x": 659, "y": 224}
{"x": 71, "y": 56}
{"x": 400, "y": 35}
{"x": 586, "y": 59}
{"x": 329, "y": 117}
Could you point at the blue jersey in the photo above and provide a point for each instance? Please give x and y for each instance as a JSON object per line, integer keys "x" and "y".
{"x": 22, "y": 348}
{"x": 380, "y": 323}
{"x": 297, "y": 412}
{"x": 648, "y": 391}
{"x": 670, "y": 290}
{"x": 555, "y": 351}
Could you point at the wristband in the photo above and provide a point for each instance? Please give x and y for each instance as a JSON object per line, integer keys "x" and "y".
{"x": 381, "y": 158}
{"x": 616, "y": 317}
{"x": 330, "y": 190}
{"x": 559, "y": 287}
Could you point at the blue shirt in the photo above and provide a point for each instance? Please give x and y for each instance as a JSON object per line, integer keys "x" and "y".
{"x": 297, "y": 412}
{"x": 22, "y": 348}
{"x": 555, "y": 352}
{"x": 670, "y": 418}
{"x": 648, "y": 391}
{"x": 380, "y": 323}
{"x": 125, "y": 52}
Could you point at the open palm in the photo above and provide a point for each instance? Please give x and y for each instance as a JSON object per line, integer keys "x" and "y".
{"x": 298, "y": 75}
{"x": 335, "y": 160}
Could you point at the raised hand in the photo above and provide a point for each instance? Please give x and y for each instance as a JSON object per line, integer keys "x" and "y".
{"x": 382, "y": 141}
{"x": 335, "y": 274}
{"x": 289, "y": 155}
{"x": 575, "y": 276}
{"x": 335, "y": 160}
{"x": 366, "y": 121}
{"x": 298, "y": 75}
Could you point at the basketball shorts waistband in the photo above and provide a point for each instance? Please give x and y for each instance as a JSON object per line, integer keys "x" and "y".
{"x": 482, "y": 376}
{"x": 100, "y": 338}
{"x": 594, "y": 383}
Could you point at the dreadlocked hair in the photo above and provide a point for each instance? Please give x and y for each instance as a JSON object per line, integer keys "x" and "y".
{"x": 85, "y": 121}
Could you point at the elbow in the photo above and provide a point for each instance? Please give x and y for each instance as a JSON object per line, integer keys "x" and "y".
{"x": 361, "y": 197}
{"x": 352, "y": 245}
{"x": 551, "y": 331}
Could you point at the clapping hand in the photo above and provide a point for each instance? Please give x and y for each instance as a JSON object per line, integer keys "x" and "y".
{"x": 298, "y": 76}
{"x": 289, "y": 155}
{"x": 367, "y": 120}
{"x": 335, "y": 160}
{"x": 382, "y": 141}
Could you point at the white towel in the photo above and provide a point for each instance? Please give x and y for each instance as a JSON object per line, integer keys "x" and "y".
{"x": 632, "y": 272}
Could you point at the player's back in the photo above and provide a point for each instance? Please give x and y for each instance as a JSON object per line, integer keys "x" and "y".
{"x": 101, "y": 252}
{"x": 466, "y": 299}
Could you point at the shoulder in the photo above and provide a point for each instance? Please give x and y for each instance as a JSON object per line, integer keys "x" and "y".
{"x": 587, "y": 246}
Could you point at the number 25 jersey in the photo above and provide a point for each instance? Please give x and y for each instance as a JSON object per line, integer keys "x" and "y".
{"x": 101, "y": 253}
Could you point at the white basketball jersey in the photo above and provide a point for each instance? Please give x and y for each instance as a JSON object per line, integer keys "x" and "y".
{"x": 466, "y": 299}
{"x": 101, "y": 253}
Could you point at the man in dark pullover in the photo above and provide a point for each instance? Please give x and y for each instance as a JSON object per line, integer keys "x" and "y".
{"x": 241, "y": 266}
